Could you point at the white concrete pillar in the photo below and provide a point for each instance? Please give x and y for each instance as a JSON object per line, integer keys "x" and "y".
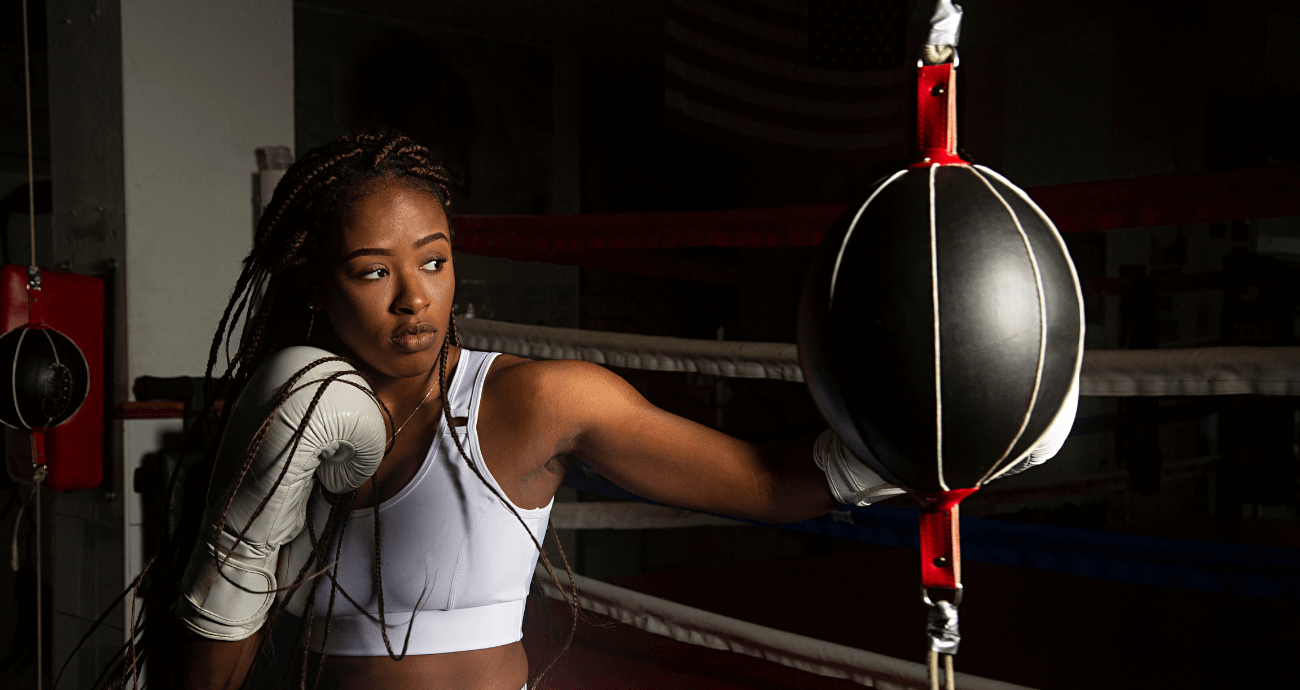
{"x": 157, "y": 108}
{"x": 204, "y": 84}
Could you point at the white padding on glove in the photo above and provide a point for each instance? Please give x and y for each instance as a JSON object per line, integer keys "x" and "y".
{"x": 1053, "y": 439}
{"x": 850, "y": 479}
{"x": 234, "y": 606}
{"x": 342, "y": 442}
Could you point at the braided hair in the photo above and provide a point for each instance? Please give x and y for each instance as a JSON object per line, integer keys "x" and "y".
{"x": 269, "y": 309}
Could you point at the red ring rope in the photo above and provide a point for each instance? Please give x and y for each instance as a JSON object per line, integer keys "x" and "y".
{"x": 1246, "y": 194}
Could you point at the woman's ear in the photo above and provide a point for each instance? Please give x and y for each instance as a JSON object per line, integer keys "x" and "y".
{"x": 306, "y": 287}
{"x": 314, "y": 292}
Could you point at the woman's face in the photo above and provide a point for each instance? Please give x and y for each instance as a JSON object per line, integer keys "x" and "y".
{"x": 388, "y": 281}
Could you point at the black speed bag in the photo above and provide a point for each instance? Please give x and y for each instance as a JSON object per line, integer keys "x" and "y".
{"x": 48, "y": 377}
{"x": 941, "y": 326}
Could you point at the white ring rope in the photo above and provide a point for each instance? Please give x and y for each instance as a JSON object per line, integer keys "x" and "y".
{"x": 1198, "y": 371}
{"x": 652, "y": 353}
{"x": 695, "y": 626}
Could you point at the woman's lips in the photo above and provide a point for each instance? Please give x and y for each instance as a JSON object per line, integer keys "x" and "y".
{"x": 415, "y": 337}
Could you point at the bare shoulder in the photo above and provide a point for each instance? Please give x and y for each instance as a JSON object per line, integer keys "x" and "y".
{"x": 535, "y": 413}
{"x": 524, "y": 383}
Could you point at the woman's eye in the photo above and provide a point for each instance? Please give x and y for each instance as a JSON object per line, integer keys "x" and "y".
{"x": 374, "y": 275}
{"x": 433, "y": 264}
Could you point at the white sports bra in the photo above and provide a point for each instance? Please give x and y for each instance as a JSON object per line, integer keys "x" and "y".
{"x": 456, "y": 563}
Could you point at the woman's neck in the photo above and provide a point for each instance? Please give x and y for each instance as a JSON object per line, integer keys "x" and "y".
{"x": 406, "y": 395}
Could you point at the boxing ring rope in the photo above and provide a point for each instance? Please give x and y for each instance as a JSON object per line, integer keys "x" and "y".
{"x": 698, "y": 627}
{"x": 1240, "y": 569}
{"x": 652, "y": 353}
{"x": 618, "y": 242}
{"x": 1195, "y": 372}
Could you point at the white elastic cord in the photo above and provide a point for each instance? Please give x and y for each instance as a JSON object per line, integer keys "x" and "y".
{"x": 938, "y": 369}
{"x": 835, "y": 272}
{"x": 1042, "y": 327}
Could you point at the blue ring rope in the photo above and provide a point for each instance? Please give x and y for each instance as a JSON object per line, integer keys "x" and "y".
{"x": 1256, "y": 571}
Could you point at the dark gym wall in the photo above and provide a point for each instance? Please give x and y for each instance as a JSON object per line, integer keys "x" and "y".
{"x": 479, "y": 104}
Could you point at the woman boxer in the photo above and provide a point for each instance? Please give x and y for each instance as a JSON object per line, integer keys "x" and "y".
{"x": 411, "y": 570}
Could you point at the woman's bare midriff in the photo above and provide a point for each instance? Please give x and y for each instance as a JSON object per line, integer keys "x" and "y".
{"x": 495, "y": 668}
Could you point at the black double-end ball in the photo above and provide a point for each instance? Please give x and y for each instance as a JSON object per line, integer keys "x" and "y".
{"x": 47, "y": 374}
{"x": 941, "y": 326}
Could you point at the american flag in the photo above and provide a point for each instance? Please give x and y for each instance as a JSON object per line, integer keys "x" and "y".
{"x": 802, "y": 75}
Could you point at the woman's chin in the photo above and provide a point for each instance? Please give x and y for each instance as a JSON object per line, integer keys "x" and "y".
{"x": 397, "y": 364}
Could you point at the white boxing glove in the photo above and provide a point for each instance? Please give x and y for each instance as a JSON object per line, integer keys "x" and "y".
{"x": 850, "y": 479}
{"x": 1053, "y": 439}
{"x": 341, "y": 443}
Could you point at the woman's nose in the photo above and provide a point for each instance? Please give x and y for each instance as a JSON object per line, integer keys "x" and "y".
{"x": 411, "y": 297}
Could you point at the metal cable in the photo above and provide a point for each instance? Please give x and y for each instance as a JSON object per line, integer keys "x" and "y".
{"x": 37, "y": 477}
{"x": 31, "y": 184}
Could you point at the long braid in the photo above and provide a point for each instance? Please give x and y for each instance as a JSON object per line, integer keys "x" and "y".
{"x": 310, "y": 195}
{"x": 319, "y": 549}
{"x": 379, "y": 578}
{"x": 342, "y": 511}
{"x": 571, "y": 598}
{"x": 268, "y": 300}
{"x": 451, "y": 330}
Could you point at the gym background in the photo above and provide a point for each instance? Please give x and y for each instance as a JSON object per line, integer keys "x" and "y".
{"x": 148, "y": 115}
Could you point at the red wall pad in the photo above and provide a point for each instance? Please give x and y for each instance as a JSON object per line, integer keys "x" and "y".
{"x": 74, "y": 305}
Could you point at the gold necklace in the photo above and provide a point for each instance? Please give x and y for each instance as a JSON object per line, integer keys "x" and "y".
{"x": 417, "y": 409}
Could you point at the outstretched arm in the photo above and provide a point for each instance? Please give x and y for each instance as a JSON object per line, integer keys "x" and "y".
{"x": 546, "y": 414}
{"x": 577, "y": 410}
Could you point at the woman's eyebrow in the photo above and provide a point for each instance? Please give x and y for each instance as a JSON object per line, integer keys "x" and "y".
{"x": 431, "y": 238}
{"x": 380, "y": 251}
{"x": 368, "y": 251}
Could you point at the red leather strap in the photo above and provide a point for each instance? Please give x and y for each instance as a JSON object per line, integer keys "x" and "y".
{"x": 940, "y": 549}
{"x": 941, "y": 539}
{"x": 38, "y": 447}
{"x": 936, "y": 115}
